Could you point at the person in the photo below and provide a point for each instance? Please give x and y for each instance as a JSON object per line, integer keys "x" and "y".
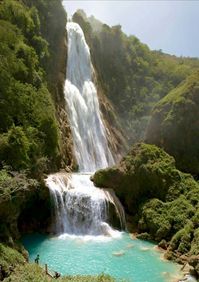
{"x": 57, "y": 275}
{"x": 37, "y": 259}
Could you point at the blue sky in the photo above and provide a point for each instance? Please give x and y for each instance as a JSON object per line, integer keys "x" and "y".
{"x": 172, "y": 26}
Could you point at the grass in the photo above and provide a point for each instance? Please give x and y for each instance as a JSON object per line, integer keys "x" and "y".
{"x": 33, "y": 273}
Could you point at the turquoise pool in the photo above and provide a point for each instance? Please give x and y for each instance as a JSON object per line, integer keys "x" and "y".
{"x": 122, "y": 257}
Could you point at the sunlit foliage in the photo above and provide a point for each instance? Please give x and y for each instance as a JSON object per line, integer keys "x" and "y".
{"x": 28, "y": 128}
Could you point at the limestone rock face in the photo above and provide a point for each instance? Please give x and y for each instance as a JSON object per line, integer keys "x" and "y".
{"x": 174, "y": 125}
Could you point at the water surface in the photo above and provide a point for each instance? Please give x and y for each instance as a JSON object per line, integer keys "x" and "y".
{"x": 121, "y": 257}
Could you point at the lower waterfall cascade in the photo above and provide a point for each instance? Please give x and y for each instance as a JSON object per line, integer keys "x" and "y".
{"x": 80, "y": 208}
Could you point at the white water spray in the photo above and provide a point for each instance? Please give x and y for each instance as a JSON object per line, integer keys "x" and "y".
{"x": 80, "y": 207}
{"x": 89, "y": 135}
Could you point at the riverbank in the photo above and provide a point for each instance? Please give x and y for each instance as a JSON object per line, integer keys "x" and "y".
{"x": 186, "y": 270}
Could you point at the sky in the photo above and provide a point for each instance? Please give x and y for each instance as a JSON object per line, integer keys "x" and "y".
{"x": 172, "y": 26}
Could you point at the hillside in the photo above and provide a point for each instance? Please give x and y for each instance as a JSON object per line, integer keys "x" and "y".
{"x": 174, "y": 124}
{"x": 29, "y": 128}
{"x": 131, "y": 76}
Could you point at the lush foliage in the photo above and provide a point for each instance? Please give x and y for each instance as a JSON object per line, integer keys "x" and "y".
{"x": 163, "y": 200}
{"x": 9, "y": 256}
{"x": 10, "y": 185}
{"x": 34, "y": 273}
{"x": 28, "y": 128}
{"x": 16, "y": 192}
{"x": 174, "y": 124}
{"x": 132, "y": 76}
{"x": 52, "y": 18}
{"x": 146, "y": 172}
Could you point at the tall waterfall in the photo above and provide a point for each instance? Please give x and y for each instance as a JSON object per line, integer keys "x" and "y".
{"x": 89, "y": 135}
{"x": 81, "y": 208}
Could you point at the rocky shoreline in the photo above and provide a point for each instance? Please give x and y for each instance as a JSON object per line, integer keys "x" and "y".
{"x": 187, "y": 271}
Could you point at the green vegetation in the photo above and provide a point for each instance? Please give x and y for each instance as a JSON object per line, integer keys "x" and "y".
{"x": 162, "y": 201}
{"x": 30, "y": 146}
{"x": 146, "y": 172}
{"x": 174, "y": 124}
{"x": 20, "y": 197}
{"x": 52, "y": 18}
{"x": 133, "y": 77}
{"x": 9, "y": 257}
{"x": 11, "y": 184}
{"x": 34, "y": 273}
{"x": 29, "y": 136}
{"x": 99, "y": 278}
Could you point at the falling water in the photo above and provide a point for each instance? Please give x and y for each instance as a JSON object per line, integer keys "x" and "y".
{"x": 81, "y": 208}
{"x": 89, "y": 135}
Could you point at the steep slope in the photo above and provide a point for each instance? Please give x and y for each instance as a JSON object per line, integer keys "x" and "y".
{"x": 174, "y": 124}
{"x": 30, "y": 137}
{"x": 130, "y": 75}
{"x": 54, "y": 32}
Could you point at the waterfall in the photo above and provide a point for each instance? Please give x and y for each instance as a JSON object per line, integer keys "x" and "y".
{"x": 89, "y": 135}
{"x": 79, "y": 207}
